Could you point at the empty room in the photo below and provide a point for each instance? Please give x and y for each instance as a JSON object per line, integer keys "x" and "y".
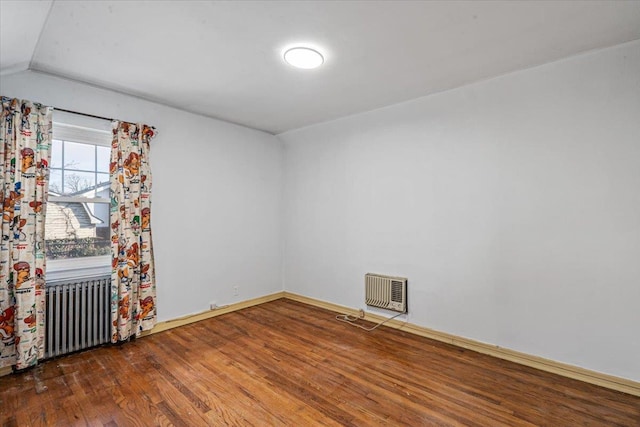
{"x": 331, "y": 213}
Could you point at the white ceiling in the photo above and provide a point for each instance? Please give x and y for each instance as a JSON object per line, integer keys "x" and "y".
{"x": 20, "y": 26}
{"x": 223, "y": 59}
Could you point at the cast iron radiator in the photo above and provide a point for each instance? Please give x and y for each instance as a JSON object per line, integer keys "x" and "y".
{"x": 77, "y": 315}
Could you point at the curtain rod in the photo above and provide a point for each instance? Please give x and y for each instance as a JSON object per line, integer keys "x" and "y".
{"x": 82, "y": 114}
{"x": 91, "y": 115}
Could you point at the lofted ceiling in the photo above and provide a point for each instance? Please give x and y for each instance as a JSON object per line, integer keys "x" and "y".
{"x": 224, "y": 59}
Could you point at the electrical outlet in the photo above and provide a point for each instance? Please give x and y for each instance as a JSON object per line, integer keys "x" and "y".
{"x": 236, "y": 291}
{"x": 213, "y": 306}
{"x": 361, "y": 314}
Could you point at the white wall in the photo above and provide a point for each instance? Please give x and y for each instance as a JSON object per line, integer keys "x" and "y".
{"x": 217, "y": 190}
{"x": 512, "y": 205}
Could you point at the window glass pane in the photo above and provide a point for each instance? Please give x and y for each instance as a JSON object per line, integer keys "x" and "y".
{"x": 56, "y": 154}
{"x": 104, "y": 158}
{"x": 80, "y": 184}
{"x": 102, "y": 187}
{"x": 76, "y": 230}
{"x": 79, "y": 156}
{"x": 55, "y": 181}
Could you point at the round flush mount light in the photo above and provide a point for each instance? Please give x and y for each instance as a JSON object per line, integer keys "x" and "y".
{"x": 303, "y": 57}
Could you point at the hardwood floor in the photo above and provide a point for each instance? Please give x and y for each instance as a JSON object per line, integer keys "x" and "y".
{"x": 287, "y": 363}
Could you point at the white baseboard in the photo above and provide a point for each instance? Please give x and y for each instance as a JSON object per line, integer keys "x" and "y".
{"x": 185, "y": 320}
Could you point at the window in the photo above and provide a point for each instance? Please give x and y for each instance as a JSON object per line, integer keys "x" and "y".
{"x": 77, "y": 220}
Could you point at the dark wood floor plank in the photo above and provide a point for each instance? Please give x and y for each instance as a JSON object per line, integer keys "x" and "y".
{"x": 48, "y": 414}
{"x": 511, "y": 379}
{"x": 256, "y": 393}
{"x": 203, "y": 383}
{"x": 361, "y": 384}
{"x": 286, "y": 363}
{"x": 368, "y": 374}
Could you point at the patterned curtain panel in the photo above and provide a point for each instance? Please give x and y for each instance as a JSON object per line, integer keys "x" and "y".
{"x": 133, "y": 288}
{"x": 25, "y": 152}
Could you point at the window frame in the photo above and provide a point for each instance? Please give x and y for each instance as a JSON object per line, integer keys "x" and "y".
{"x": 95, "y": 134}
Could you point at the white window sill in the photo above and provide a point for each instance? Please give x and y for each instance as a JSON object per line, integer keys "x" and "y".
{"x": 59, "y": 270}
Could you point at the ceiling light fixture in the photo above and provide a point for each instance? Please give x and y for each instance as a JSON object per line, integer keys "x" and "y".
{"x": 303, "y": 57}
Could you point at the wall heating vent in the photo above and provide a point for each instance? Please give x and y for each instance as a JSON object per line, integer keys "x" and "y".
{"x": 77, "y": 315}
{"x": 386, "y": 292}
